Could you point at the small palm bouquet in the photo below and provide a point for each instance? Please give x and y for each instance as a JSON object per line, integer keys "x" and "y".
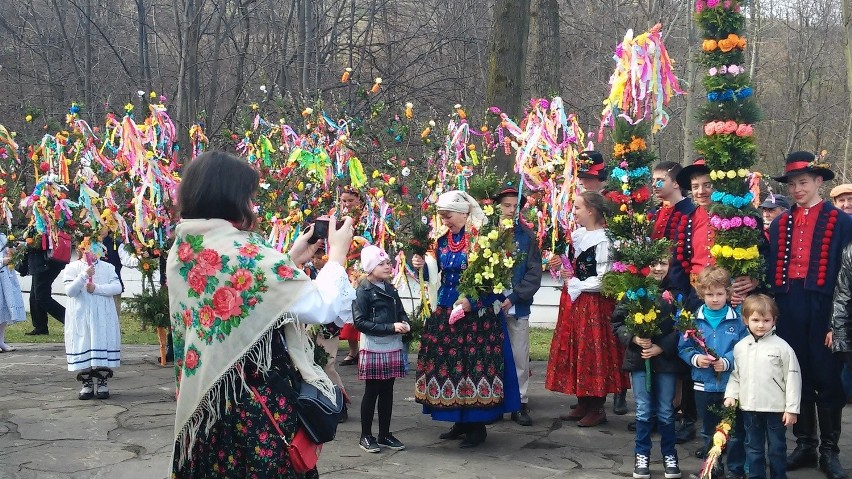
{"x": 686, "y": 324}
{"x": 642, "y": 318}
{"x": 720, "y": 439}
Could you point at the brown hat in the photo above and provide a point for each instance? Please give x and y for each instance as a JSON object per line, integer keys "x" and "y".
{"x": 838, "y": 190}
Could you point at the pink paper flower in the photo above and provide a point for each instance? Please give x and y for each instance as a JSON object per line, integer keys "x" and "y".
{"x": 736, "y": 222}
{"x": 734, "y": 70}
{"x": 723, "y": 70}
{"x": 667, "y": 297}
{"x": 713, "y": 71}
{"x": 730, "y": 126}
{"x": 710, "y": 128}
{"x": 712, "y": 3}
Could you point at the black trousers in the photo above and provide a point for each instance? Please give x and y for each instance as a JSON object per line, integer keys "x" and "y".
{"x": 41, "y": 297}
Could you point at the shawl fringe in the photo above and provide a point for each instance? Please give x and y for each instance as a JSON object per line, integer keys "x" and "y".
{"x": 232, "y": 382}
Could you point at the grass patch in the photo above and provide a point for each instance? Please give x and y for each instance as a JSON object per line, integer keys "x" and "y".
{"x": 131, "y": 332}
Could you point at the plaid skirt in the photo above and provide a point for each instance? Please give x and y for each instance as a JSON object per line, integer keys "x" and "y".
{"x": 373, "y": 365}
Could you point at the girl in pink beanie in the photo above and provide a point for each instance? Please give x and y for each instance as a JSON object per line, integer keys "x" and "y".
{"x": 379, "y": 316}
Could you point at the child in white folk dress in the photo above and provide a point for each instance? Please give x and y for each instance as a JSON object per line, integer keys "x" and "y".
{"x": 92, "y": 332}
{"x": 11, "y": 300}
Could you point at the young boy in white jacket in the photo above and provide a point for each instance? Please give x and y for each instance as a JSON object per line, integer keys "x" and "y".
{"x": 767, "y": 383}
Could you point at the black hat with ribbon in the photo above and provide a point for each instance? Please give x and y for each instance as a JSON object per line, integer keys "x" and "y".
{"x": 684, "y": 176}
{"x": 590, "y": 164}
{"x": 509, "y": 189}
{"x": 804, "y": 162}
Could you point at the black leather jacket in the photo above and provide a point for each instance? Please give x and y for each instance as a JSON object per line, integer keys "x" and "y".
{"x": 840, "y": 316}
{"x": 375, "y": 309}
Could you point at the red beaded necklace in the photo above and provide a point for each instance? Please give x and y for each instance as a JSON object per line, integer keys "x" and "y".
{"x": 461, "y": 245}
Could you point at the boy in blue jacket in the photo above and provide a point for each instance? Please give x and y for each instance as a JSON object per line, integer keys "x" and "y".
{"x": 721, "y": 327}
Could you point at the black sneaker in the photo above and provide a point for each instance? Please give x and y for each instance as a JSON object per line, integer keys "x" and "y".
{"x": 369, "y": 444}
{"x": 391, "y": 442}
{"x": 640, "y": 467}
{"x": 36, "y": 332}
{"x": 672, "y": 469}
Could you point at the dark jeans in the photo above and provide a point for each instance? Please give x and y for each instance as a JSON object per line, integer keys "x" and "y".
{"x": 765, "y": 428}
{"x": 735, "y": 449}
{"x": 41, "y": 297}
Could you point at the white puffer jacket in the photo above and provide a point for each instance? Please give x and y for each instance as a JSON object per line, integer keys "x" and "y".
{"x": 766, "y": 376}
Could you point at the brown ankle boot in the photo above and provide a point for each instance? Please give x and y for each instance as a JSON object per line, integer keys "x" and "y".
{"x": 578, "y": 412}
{"x": 595, "y": 415}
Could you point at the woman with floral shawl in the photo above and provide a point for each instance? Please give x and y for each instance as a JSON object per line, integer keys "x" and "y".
{"x": 238, "y": 308}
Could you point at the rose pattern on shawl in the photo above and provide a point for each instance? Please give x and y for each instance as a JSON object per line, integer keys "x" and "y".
{"x": 192, "y": 360}
{"x": 226, "y": 290}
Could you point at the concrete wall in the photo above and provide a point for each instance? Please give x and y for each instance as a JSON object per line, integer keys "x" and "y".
{"x": 544, "y": 311}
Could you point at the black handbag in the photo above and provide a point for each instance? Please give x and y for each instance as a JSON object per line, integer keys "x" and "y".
{"x": 316, "y": 412}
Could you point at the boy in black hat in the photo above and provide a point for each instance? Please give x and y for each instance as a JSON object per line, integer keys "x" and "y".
{"x": 526, "y": 279}
{"x": 805, "y": 250}
{"x": 591, "y": 171}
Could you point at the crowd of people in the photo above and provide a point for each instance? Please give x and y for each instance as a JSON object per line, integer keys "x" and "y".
{"x": 781, "y": 344}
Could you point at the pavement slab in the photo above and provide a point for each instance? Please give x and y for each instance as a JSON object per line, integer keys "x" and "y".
{"x": 47, "y": 433}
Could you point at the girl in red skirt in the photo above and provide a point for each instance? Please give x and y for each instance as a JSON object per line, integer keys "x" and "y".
{"x": 585, "y": 357}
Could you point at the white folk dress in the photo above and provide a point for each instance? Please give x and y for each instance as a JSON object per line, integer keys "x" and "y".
{"x": 11, "y": 300}
{"x": 92, "y": 332}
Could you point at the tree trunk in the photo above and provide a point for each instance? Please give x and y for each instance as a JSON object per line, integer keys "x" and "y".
{"x": 187, "y": 17}
{"x": 544, "y": 66}
{"x": 690, "y": 122}
{"x": 506, "y": 63}
{"x": 144, "y": 65}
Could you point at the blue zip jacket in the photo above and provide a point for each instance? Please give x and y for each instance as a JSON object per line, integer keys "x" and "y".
{"x": 722, "y": 340}
{"x": 526, "y": 274}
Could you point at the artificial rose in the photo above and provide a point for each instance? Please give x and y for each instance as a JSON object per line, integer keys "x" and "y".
{"x": 712, "y": 71}
{"x": 710, "y": 128}
{"x": 730, "y": 127}
{"x": 723, "y": 69}
{"x": 209, "y": 262}
{"x": 739, "y": 253}
{"x": 241, "y": 279}
{"x": 206, "y": 316}
{"x": 185, "y": 254}
{"x": 736, "y": 221}
{"x": 709, "y": 45}
{"x": 197, "y": 280}
{"x": 712, "y": 3}
{"x": 667, "y": 297}
{"x": 733, "y": 70}
{"x": 227, "y": 302}
{"x": 726, "y": 45}
{"x": 719, "y": 127}
{"x": 745, "y": 130}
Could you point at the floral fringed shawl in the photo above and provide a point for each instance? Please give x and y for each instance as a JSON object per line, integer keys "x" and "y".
{"x": 228, "y": 293}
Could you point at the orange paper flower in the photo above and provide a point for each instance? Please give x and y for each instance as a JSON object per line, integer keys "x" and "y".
{"x": 709, "y": 45}
{"x": 618, "y": 150}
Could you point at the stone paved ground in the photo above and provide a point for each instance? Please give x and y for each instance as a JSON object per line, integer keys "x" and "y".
{"x": 46, "y": 433}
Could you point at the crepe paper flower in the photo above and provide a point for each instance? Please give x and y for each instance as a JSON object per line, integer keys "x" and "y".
{"x": 745, "y": 130}
{"x": 733, "y": 70}
{"x": 730, "y": 127}
{"x": 345, "y": 77}
{"x": 376, "y": 86}
{"x": 709, "y": 45}
{"x": 723, "y": 70}
{"x": 712, "y": 72}
{"x": 712, "y": 3}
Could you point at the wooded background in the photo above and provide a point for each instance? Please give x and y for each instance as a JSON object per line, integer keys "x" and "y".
{"x": 213, "y": 58}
